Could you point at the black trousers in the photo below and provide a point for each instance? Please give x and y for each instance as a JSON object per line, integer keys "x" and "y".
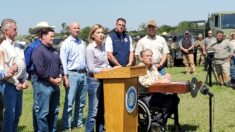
{"x": 168, "y": 102}
{"x": 100, "y": 113}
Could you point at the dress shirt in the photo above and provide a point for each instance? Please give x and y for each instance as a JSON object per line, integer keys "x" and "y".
{"x": 28, "y": 53}
{"x": 2, "y": 66}
{"x": 152, "y": 76}
{"x": 14, "y": 54}
{"x": 47, "y": 62}
{"x": 96, "y": 58}
{"x": 72, "y": 54}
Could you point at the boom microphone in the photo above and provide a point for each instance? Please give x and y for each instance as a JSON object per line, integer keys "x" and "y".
{"x": 205, "y": 90}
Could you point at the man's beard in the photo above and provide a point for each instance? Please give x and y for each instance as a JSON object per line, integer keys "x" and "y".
{"x": 218, "y": 41}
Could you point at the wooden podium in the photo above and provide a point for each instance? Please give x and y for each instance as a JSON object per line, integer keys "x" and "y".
{"x": 121, "y": 98}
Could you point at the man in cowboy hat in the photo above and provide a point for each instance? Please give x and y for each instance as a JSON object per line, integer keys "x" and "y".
{"x": 36, "y": 30}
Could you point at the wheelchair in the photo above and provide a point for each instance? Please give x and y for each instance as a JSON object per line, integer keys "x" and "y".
{"x": 144, "y": 116}
{"x": 146, "y": 113}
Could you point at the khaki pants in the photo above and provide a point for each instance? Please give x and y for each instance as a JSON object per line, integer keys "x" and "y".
{"x": 223, "y": 72}
{"x": 200, "y": 58}
{"x": 188, "y": 60}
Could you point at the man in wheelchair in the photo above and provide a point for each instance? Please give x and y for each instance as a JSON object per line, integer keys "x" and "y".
{"x": 163, "y": 103}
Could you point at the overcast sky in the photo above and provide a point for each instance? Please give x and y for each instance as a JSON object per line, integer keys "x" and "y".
{"x": 28, "y": 13}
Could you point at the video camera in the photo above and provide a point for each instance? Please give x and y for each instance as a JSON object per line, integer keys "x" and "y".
{"x": 210, "y": 54}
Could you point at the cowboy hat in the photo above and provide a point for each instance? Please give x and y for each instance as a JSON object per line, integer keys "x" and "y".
{"x": 40, "y": 26}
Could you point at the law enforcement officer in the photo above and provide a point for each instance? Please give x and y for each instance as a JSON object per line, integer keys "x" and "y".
{"x": 201, "y": 53}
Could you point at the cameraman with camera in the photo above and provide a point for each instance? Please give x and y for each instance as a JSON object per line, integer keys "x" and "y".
{"x": 222, "y": 55}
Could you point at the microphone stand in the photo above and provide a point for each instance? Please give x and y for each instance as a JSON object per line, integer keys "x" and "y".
{"x": 205, "y": 91}
{"x": 210, "y": 112}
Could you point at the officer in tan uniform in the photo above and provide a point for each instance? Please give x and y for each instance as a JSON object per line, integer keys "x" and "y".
{"x": 200, "y": 46}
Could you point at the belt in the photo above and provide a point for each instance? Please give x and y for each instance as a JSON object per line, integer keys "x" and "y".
{"x": 91, "y": 74}
{"x": 79, "y": 71}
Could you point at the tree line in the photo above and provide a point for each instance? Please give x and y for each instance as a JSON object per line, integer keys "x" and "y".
{"x": 141, "y": 31}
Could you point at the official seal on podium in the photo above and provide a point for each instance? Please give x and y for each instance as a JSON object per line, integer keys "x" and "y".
{"x": 131, "y": 99}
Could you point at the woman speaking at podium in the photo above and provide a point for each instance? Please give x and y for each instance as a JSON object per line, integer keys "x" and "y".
{"x": 97, "y": 61}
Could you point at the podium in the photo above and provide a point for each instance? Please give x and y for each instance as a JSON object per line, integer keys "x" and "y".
{"x": 121, "y": 98}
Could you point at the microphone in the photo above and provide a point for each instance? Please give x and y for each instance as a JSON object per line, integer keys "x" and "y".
{"x": 205, "y": 90}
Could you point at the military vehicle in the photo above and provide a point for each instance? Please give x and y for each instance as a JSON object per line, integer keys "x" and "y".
{"x": 197, "y": 27}
{"x": 218, "y": 21}
{"x": 221, "y": 21}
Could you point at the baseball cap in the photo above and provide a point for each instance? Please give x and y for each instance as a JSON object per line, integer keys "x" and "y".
{"x": 152, "y": 23}
{"x": 186, "y": 32}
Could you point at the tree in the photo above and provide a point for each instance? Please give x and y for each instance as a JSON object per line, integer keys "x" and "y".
{"x": 166, "y": 28}
{"x": 65, "y": 29}
{"x": 142, "y": 26}
{"x": 30, "y": 29}
{"x": 84, "y": 33}
{"x": 106, "y": 30}
{"x": 182, "y": 26}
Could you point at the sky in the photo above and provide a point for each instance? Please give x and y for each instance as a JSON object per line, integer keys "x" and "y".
{"x": 28, "y": 13}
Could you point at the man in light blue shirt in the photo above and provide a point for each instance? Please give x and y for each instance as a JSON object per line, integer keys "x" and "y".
{"x": 72, "y": 54}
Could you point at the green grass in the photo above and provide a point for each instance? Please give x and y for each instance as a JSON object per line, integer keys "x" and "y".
{"x": 193, "y": 112}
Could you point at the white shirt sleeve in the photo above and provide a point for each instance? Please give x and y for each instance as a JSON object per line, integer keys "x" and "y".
{"x": 138, "y": 48}
{"x": 108, "y": 44}
{"x": 131, "y": 44}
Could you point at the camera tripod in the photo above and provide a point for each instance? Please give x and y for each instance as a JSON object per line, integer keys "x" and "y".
{"x": 210, "y": 70}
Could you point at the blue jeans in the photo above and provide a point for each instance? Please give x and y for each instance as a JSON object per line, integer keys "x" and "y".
{"x": 162, "y": 71}
{"x": 232, "y": 70}
{"x": 34, "y": 85}
{"x": 47, "y": 106}
{"x": 93, "y": 85}
{"x": 1, "y": 104}
{"x": 12, "y": 107}
{"x": 75, "y": 93}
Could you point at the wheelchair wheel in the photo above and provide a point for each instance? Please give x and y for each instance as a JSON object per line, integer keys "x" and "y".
{"x": 144, "y": 117}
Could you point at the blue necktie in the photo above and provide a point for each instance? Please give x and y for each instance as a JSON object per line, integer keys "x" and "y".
{"x": 77, "y": 41}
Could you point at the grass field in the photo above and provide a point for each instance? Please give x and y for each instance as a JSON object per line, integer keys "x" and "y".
{"x": 193, "y": 112}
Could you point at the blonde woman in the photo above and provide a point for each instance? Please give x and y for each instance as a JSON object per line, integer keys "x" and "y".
{"x": 97, "y": 61}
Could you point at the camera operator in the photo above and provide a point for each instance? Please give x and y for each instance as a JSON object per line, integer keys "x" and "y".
{"x": 222, "y": 55}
